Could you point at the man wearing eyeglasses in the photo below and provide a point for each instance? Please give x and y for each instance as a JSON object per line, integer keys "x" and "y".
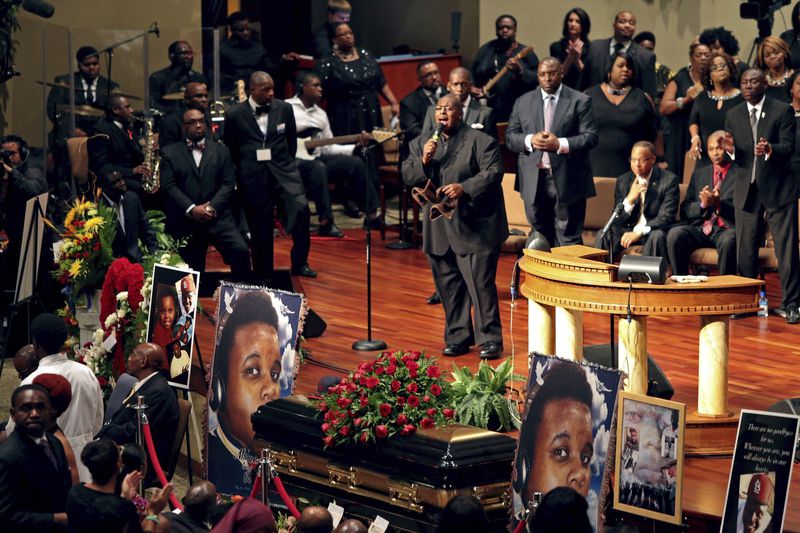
{"x": 198, "y": 178}
{"x": 649, "y": 198}
{"x": 416, "y": 103}
{"x": 464, "y": 166}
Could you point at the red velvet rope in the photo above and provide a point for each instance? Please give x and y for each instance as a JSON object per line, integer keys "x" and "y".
{"x": 520, "y": 527}
{"x": 287, "y": 500}
{"x": 151, "y": 450}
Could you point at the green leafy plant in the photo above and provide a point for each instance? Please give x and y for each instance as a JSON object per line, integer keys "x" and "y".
{"x": 480, "y": 399}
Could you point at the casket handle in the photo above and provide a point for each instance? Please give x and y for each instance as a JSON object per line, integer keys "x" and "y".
{"x": 342, "y": 475}
{"x": 493, "y": 497}
{"x": 405, "y": 492}
{"x": 287, "y": 460}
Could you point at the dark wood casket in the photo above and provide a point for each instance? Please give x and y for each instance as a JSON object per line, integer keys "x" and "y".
{"x": 407, "y": 480}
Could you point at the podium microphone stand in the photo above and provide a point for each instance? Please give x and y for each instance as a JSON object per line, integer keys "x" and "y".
{"x": 369, "y": 344}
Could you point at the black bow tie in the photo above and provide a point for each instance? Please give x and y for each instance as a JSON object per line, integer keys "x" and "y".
{"x": 262, "y": 110}
{"x": 195, "y": 145}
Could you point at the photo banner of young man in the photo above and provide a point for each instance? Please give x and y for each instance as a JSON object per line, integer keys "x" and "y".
{"x": 171, "y": 319}
{"x": 649, "y": 457}
{"x": 761, "y": 472}
{"x": 570, "y": 409}
{"x": 255, "y": 361}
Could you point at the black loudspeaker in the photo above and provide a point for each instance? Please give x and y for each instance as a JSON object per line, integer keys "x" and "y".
{"x": 455, "y": 29}
{"x": 789, "y": 406}
{"x": 658, "y": 385}
{"x": 643, "y": 269}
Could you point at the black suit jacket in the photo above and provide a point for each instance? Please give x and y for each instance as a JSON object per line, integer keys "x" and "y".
{"x": 776, "y": 184}
{"x": 703, "y": 176}
{"x": 598, "y": 59}
{"x": 59, "y": 96}
{"x": 185, "y": 184}
{"x": 660, "y": 201}
{"x": 171, "y": 128}
{"x": 572, "y": 119}
{"x": 136, "y": 228}
{"x": 31, "y": 488}
{"x": 412, "y": 112}
{"x": 472, "y": 159}
{"x": 476, "y": 116}
{"x": 117, "y": 152}
{"x": 162, "y": 415}
{"x": 258, "y": 179}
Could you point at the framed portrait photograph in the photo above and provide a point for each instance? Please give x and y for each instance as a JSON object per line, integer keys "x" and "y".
{"x": 254, "y": 362}
{"x": 649, "y": 457}
{"x": 565, "y": 433}
{"x": 171, "y": 319}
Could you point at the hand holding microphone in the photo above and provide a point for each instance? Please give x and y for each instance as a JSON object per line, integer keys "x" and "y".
{"x": 430, "y": 147}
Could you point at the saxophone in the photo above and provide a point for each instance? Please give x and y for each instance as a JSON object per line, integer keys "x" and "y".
{"x": 152, "y": 159}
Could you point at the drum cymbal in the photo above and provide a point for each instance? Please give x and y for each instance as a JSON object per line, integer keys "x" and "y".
{"x": 82, "y": 110}
{"x": 60, "y": 85}
{"x": 132, "y": 97}
{"x": 55, "y": 85}
{"x": 172, "y": 96}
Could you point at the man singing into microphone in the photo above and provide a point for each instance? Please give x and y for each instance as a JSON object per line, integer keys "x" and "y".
{"x": 465, "y": 166}
{"x": 650, "y": 198}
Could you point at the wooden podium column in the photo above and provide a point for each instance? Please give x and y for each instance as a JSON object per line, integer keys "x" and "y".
{"x": 633, "y": 352}
{"x": 541, "y": 328}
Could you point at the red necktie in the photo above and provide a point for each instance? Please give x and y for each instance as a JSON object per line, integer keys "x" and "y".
{"x": 708, "y": 225}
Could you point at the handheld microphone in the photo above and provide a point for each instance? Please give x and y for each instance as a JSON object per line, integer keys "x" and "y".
{"x": 437, "y": 134}
{"x": 614, "y": 215}
{"x": 38, "y": 7}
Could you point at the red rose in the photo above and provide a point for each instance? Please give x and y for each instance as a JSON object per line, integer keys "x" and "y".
{"x": 431, "y": 411}
{"x": 102, "y": 381}
{"x": 412, "y": 387}
{"x": 448, "y": 413}
{"x": 434, "y": 372}
{"x": 408, "y": 430}
{"x": 402, "y": 419}
{"x": 372, "y": 382}
{"x": 343, "y": 402}
{"x": 323, "y": 406}
{"x": 357, "y": 422}
{"x": 412, "y": 372}
{"x": 325, "y": 427}
{"x": 426, "y": 422}
{"x": 391, "y": 369}
{"x": 426, "y": 399}
{"x": 416, "y": 355}
{"x": 413, "y": 401}
{"x": 364, "y": 437}
{"x": 362, "y": 381}
{"x": 385, "y": 409}
{"x": 436, "y": 390}
{"x": 401, "y": 401}
{"x": 395, "y": 385}
{"x": 381, "y": 431}
{"x": 412, "y": 366}
{"x": 328, "y": 441}
{"x": 345, "y": 431}
{"x": 379, "y": 370}
{"x": 364, "y": 401}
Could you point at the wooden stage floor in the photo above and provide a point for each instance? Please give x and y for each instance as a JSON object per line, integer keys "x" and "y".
{"x": 764, "y": 352}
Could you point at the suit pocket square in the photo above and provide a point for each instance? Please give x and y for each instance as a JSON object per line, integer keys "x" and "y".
{"x": 477, "y": 126}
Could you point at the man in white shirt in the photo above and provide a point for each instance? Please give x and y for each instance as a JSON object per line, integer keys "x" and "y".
{"x": 84, "y": 416}
{"x": 335, "y": 160}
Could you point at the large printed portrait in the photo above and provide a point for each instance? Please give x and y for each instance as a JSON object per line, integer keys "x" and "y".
{"x": 254, "y": 362}
{"x": 565, "y": 433}
{"x": 171, "y": 319}
{"x": 649, "y": 458}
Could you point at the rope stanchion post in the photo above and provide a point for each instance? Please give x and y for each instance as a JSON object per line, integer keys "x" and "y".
{"x": 266, "y": 473}
{"x": 141, "y": 419}
{"x": 151, "y": 451}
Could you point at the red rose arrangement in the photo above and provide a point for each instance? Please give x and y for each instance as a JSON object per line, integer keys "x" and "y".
{"x": 121, "y": 296}
{"x": 396, "y": 393}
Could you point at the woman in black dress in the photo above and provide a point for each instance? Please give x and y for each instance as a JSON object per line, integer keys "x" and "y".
{"x": 774, "y": 59}
{"x": 676, "y": 105}
{"x": 573, "y": 47}
{"x": 709, "y": 110}
{"x": 352, "y": 79}
{"x": 624, "y": 116}
{"x": 792, "y": 37}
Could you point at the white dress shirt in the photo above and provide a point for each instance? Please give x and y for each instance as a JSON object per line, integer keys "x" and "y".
{"x": 84, "y": 417}
{"x": 262, "y": 120}
{"x": 316, "y": 117}
{"x": 563, "y": 144}
{"x": 641, "y": 226}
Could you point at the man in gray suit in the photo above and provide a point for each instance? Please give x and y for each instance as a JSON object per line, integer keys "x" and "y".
{"x": 463, "y": 251}
{"x": 476, "y": 116}
{"x": 553, "y": 128}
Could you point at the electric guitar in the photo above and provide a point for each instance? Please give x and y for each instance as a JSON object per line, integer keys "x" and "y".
{"x": 503, "y": 71}
{"x": 306, "y": 145}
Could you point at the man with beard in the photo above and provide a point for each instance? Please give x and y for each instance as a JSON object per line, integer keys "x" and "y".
{"x": 173, "y": 78}
{"x": 496, "y": 54}
{"x": 463, "y": 251}
{"x": 195, "y": 96}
